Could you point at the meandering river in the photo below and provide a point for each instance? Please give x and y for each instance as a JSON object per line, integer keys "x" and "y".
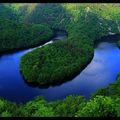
{"x": 101, "y": 71}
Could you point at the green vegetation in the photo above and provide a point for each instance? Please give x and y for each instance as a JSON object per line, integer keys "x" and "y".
{"x": 39, "y": 66}
{"x": 63, "y": 60}
{"x": 7, "y": 108}
{"x": 68, "y": 106}
{"x": 100, "y": 106}
{"x": 85, "y": 23}
{"x": 7, "y": 13}
{"x": 14, "y": 35}
{"x": 71, "y": 106}
{"x": 37, "y": 108}
{"x": 111, "y": 90}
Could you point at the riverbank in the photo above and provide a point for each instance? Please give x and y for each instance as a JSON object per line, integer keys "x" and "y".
{"x": 60, "y": 60}
{"x": 20, "y": 36}
{"x": 72, "y": 74}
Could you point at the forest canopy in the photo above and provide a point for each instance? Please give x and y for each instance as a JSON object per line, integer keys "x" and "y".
{"x": 63, "y": 60}
{"x": 26, "y": 25}
{"x": 14, "y": 35}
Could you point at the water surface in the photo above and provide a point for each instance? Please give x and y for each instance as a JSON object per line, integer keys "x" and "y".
{"x": 101, "y": 71}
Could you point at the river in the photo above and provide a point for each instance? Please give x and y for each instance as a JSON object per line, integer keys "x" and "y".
{"x": 101, "y": 71}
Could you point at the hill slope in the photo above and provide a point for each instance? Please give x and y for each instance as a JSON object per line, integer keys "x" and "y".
{"x": 85, "y": 23}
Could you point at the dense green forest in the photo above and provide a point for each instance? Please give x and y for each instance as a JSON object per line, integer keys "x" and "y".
{"x": 15, "y": 35}
{"x": 71, "y": 106}
{"x": 62, "y": 60}
{"x": 84, "y": 23}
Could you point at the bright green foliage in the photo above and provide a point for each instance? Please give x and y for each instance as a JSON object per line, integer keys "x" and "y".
{"x": 98, "y": 107}
{"x": 6, "y": 114}
{"x": 7, "y": 108}
{"x": 71, "y": 106}
{"x": 117, "y": 105}
{"x": 36, "y": 108}
{"x": 41, "y": 108}
{"x": 68, "y": 107}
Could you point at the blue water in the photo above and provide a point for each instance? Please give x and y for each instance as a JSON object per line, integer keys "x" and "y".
{"x": 100, "y": 72}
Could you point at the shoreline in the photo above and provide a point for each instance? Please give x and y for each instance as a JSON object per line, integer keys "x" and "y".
{"x": 70, "y": 78}
{"x": 15, "y": 50}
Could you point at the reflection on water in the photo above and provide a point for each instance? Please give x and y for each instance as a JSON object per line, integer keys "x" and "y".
{"x": 100, "y": 72}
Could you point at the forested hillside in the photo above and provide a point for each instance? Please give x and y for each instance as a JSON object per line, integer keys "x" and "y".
{"x": 61, "y": 60}
{"x": 84, "y": 23}
{"x": 7, "y": 13}
{"x": 17, "y": 35}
